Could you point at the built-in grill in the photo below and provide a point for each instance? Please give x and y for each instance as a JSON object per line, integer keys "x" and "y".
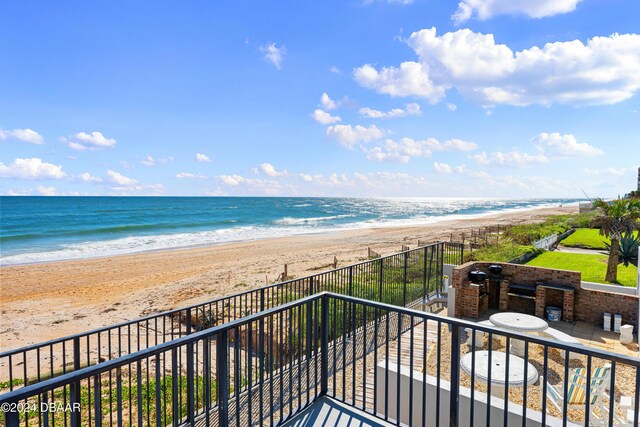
{"x": 523, "y": 291}
{"x": 479, "y": 278}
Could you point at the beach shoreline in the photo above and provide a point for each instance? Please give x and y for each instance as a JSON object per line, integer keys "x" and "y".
{"x": 92, "y": 249}
{"x": 44, "y": 301}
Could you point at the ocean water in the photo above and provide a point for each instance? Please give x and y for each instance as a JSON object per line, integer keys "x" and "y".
{"x": 41, "y": 229}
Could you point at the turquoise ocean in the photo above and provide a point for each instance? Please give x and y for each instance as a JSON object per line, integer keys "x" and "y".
{"x": 42, "y": 229}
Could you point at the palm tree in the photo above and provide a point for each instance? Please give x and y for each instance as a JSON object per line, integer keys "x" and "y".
{"x": 616, "y": 217}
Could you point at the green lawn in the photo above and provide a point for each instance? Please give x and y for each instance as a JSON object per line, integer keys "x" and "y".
{"x": 588, "y": 238}
{"x": 592, "y": 267}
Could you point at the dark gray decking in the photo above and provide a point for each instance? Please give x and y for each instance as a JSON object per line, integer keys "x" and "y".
{"x": 327, "y": 412}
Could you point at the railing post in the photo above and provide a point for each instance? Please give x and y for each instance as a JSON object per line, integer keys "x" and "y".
{"x": 324, "y": 347}
{"x": 261, "y": 299}
{"x": 75, "y": 386}
{"x": 12, "y": 418}
{"x": 222, "y": 378}
{"x": 461, "y": 254}
{"x": 455, "y": 376}
{"x": 311, "y": 290}
{"x": 190, "y": 383}
{"x": 188, "y": 320}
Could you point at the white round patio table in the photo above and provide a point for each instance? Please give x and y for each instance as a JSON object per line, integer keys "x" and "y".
{"x": 518, "y": 322}
{"x": 499, "y": 375}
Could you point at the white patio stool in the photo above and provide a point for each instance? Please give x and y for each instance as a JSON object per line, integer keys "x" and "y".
{"x": 626, "y": 334}
{"x": 479, "y": 334}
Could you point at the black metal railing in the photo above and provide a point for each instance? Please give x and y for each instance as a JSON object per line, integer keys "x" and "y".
{"x": 397, "y": 364}
{"x": 400, "y": 279}
{"x": 453, "y": 253}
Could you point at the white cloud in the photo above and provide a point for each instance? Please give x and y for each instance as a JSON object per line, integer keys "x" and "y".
{"x": 605, "y": 171}
{"x": 273, "y": 54}
{"x": 324, "y": 118}
{"x": 305, "y": 177}
{"x": 485, "y": 9}
{"x": 232, "y": 180}
{"x": 87, "y": 177}
{"x": 348, "y": 135}
{"x": 327, "y": 103}
{"x": 121, "y": 180}
{"x": 605, "y": 70}
{"x": 153, "y": 189}
{"x": 47, "y": 191}
{"x": 442, "y": 168}
{"x": 335, "y": 70}
{"x": 378, "y": 154}
{"x": 478, "y": 174}
{"x": 148, "y": 161}
{"x": 412, "y": 109}
{"x": 202, "y": 158}
{"x": 25, "y": 135}
{"x": 252, "y": 185}
{"x": 82, "y": 141}
{"x": 187, "y": 175}
{"x": 513, "y": 158}
{"x": 451, "y": 106}
{"x": 32, "y": 169}
{"x": 453, "y": 144}
{"x": 565, "y": 145}
{"x": 271, "y": 171}
{"x": 406, "y": 148}
{"x": 408, "y": 80}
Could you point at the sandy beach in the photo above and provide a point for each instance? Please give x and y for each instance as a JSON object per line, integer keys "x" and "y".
{"x": 45, "y": 301}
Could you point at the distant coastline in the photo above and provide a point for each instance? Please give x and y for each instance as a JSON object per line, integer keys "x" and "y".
{"x": 36, "y": 230}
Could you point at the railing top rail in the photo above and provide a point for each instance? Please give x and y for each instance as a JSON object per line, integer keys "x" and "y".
{"x": 93, "y": 370}
{"x": 55, "y": 341}
{"x": 90, "y": 371}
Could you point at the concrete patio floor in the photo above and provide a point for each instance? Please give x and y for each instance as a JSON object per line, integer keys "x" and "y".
{"x": 594, "y": 336}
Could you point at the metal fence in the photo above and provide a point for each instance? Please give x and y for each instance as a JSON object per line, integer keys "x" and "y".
{"x": 383, "y": 359}
{"x": 399, "y": 279}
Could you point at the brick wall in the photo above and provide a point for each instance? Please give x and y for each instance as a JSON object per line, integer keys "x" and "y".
{"x": 522, "y": 305}
{"x": 590, "y": 306}
{"x": 582, "y": 304}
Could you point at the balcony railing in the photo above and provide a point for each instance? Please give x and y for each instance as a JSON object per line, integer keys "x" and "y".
{"x": 395, "y": 363}
{"x": 399, "y": 279}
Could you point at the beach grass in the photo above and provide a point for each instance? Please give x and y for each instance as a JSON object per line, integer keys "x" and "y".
{"x": 499, "y": 252}
{"x": 588, "y": 238}
{"x": 592, "y": 267}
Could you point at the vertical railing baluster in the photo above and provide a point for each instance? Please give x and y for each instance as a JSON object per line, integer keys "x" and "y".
{"x": 324, "y": 346}
{"x": 222, "y": 378}
{"x": 404, "y": 279}
{"x": 75, "y": 386}
{"x": 455, "y": 376}
{"x": 190, "y": 383}
{"x": 97, "y": 400}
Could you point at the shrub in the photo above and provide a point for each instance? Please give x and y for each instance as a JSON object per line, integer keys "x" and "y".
{"x": 500, "y": 252}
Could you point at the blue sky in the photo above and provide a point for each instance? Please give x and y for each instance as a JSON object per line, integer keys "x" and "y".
{"x": 424, "y": 98}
